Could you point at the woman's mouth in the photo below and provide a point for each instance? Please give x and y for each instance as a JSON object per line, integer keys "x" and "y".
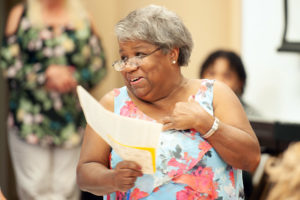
{"x": 136, "y": 80}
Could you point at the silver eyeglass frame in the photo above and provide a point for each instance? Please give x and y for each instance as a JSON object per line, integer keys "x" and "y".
{"x": 120, "y": 65}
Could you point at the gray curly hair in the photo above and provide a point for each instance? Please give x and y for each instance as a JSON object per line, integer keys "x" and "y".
{"x": 159, "y": 26}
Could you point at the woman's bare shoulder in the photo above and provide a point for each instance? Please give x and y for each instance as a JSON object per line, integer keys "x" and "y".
{"x": 197, "y": 82}
{"x": 107, "y": 101}
{"x": 224, "y": 97}
{"x": 13, "y": 19}
{"x": 221, "y": 89}
{"x": 218, "y": 85}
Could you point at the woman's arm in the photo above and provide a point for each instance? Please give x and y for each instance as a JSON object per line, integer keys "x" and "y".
{"x": 93, "y": 173}
{"x": 10, "y": 50}
{"x": 235, "y": 141}
{"x": 13, "y": 19}
{"x": 10, "y": 54}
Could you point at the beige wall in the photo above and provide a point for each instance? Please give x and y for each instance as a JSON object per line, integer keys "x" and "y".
{"x": 212, "y": 23}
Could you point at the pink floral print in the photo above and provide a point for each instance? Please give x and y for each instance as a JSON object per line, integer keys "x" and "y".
{"x": 188, "y": 167}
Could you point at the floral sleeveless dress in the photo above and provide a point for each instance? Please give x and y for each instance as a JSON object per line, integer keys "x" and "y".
{"x": 39, "y": 116}
{"x": 187, "y": 166}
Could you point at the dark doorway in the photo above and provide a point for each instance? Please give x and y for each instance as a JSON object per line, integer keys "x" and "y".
{"x": 7, "y": 180}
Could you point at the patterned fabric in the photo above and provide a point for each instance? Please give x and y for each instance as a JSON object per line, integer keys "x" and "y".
{"x": 43, "y": 117}
{"x": 187, "y": 166}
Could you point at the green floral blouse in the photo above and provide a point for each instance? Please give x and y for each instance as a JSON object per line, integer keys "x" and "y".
{"x": 40, "y": 116}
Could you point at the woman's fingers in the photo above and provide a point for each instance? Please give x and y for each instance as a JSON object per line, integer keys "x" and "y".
{"x": 129, "y": 173}
{"x": 167, "y": 120}
{"x": 125, "y": 164}
{"x": 61, "y": 84}
{"x": 60, "y": 78}
{"x": 168, "y": 123}
{"x": 126, "y": 187}
{"x": 126, "y": 173}
{"x": 167, "y": 127}
{"x": 184, "y": 116}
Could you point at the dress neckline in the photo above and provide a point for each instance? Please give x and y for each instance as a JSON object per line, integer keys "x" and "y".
{"x": 147, "y": 117}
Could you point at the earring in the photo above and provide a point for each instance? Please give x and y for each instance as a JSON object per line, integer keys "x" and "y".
{"x": 174, "y": 61}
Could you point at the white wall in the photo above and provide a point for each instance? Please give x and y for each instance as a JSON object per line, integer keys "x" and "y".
{"x": 273, "y": 85}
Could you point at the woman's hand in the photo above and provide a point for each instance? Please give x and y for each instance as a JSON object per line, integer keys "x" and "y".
{"x": 60, "y": 78}
{"x": 126, "y": 173}
{"x": 188, "y": 115}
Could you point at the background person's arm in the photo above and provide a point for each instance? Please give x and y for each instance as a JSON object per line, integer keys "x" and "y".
{"x": 10, "y": 49}
{"x": 13, "y": 20}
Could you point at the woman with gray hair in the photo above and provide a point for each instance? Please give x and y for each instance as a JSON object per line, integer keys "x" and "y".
{"x": 205, "y": 135}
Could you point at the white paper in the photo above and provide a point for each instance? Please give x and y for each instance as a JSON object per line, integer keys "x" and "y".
{"x": 132, "y": 139}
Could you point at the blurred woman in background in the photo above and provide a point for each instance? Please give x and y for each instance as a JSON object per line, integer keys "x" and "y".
{"x": 50, "y": 46}
{"x": 227, "y": 66}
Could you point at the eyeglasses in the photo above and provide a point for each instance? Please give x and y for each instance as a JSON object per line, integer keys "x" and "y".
{"x": 134, "y": 61}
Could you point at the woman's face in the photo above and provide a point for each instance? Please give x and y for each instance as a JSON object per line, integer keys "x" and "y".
{"x": 147, "y": 80}
{"x": 221, "y": 71}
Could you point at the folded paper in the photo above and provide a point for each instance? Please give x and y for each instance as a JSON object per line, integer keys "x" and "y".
{"x": 132, "y": 139}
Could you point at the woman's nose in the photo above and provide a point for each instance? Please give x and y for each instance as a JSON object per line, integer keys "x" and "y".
{"x": 130, "y": 66}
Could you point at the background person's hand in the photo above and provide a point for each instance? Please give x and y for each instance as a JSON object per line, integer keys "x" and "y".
{"x": 60, "y": 78}
{"x": 186, "y": 115}
{"x": 126, "y": 173}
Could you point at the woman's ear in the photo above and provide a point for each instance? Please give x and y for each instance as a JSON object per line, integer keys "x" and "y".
{"x": 174, "y": 54}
